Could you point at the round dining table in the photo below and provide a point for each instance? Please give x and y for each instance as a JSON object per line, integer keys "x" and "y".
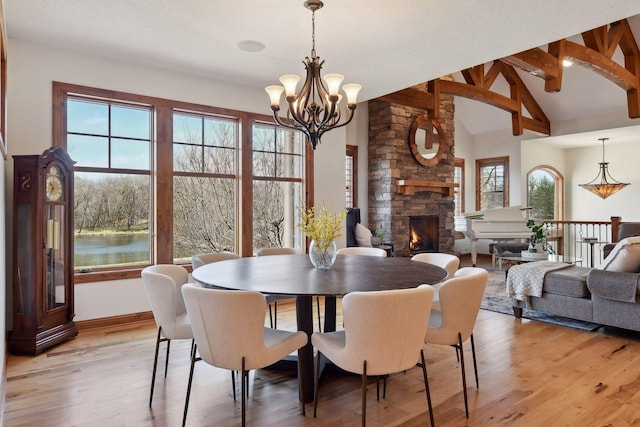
{"x": 295, "y": 275}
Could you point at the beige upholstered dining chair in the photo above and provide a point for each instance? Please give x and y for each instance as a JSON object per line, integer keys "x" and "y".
{"x": 162, "y": 284}
{"x": 453, "y": 323}
{"x": 272, "y": 299}
{"x": 383, "y": 334}
{"x": 277, "y": 251}
{"x": 361, "y": 250}
{"x": 202, "y": 259}
{"x": 449, "y": 262}
{"x": 228, "y": 327}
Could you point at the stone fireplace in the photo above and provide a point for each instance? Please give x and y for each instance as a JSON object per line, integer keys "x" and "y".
{"x": 401, "y": 188}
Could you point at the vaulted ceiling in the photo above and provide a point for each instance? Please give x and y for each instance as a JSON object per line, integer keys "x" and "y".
{"x": 383, "y": 44}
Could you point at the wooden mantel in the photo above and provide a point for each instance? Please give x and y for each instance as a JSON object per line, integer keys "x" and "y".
{"x": 409, "y": 187}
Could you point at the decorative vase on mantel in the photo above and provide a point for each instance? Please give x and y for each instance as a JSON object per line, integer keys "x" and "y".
{"x": 323, "y": 254}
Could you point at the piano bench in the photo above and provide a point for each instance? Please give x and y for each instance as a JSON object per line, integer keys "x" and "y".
{"x": 496, "y": 249}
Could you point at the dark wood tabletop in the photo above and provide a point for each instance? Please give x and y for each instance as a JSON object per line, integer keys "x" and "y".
{"x": 295, "y": 275}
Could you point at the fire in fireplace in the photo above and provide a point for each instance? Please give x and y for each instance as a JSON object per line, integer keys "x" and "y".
{"x": 423, "y": 233}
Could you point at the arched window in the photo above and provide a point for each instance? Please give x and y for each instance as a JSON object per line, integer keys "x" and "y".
{"x": 545, "y": 194}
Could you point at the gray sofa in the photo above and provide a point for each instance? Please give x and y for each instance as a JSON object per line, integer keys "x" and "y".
{"x": 604, "y": 297}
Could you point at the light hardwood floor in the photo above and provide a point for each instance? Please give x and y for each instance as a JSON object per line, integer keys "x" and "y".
{"x": 531, "y": 374}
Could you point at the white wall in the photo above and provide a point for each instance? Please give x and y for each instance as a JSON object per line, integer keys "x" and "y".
{"x": 32, "y": 70}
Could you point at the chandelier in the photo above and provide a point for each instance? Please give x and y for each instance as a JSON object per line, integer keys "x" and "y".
{"x": 604, "y": 185}
{"x": 316, "y": 108}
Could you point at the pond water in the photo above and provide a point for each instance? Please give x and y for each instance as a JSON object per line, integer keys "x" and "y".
{"x": 110, "y": 249}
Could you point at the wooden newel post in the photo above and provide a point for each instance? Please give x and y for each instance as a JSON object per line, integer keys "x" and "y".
{"x": 615, "y": 223}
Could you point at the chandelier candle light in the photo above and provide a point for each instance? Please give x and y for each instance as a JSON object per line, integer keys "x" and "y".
{"x": 604, "y": 185}
{"x": 316, "y": 108}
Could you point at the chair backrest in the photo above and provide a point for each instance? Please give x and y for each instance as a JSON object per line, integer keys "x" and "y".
{"x": 361, "y": 250}
{"x": 277, "y": 251}
{"x": 460, "y": 299}
{"x": 447, "y": 261}
{"x": 202, "y": 259}
{"x": 385, "y": 328}
{"x": 227, "y": 325}
{"x": 162, "y": 284}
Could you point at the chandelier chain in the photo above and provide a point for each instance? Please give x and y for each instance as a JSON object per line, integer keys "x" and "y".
{"x": 313, "y": 34}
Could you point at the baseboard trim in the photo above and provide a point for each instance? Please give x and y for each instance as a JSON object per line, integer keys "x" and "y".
{"x": 114, "y": 320}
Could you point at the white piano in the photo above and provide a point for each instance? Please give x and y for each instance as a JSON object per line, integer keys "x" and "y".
{"x": 496, "y": 224}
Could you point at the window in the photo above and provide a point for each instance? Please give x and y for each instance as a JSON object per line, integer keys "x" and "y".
{"x": 157, "y": 181}
{"x": 111, "y": 144}
{"x": 351, "y": 176}
{"x": 204, "y": 184}
{"x": 277, "y": 186}
{"x": 459, "y": 222}
{"x": 492, "y": 183}
{"x": 544, "y": 193}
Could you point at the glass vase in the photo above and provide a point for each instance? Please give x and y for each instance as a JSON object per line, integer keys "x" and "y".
{"x": 322, "y": 254}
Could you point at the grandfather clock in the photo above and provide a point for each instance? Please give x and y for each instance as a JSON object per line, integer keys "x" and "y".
{"x": 42, "y": 251}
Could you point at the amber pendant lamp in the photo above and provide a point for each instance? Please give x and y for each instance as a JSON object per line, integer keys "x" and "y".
{"x": 604, "y": 185}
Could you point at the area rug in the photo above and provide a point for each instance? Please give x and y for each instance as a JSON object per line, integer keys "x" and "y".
{"x": 495, "y": 299}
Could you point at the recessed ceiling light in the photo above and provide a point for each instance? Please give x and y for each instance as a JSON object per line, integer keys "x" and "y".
{"x": 567, "y": 63}
{"x": 251, "y": 46}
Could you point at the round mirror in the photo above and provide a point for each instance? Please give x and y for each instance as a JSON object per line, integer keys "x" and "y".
{"x": 426, "y": 140}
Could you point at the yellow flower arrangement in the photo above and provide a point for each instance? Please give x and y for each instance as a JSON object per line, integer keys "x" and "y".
{"x": 321, "y": 226}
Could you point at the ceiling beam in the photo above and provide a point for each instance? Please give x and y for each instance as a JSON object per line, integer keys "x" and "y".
{"x": 411, "y": 97}
{"x": 596, "y": 55}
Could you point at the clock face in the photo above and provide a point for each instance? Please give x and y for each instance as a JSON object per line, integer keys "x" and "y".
{"x": 54, "y": 188}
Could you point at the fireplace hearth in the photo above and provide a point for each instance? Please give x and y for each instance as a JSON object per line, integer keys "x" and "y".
{"x": 423, "y": 233}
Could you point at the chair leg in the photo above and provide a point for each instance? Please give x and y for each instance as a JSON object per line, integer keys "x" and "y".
{"x": 166, "y": 362}
{"x": 243, "y": 394}
{"x": 318, "y": 306}
{"x": 155, "y": 365}
{"x": 426, "y": 386}
{"x": 364, "y": 393}
{"x": 246, "y": 380}
{"x": 275, "y": 314}
{"x": 378, "y": 387}
{"x": 233, "y": 384}
{"x": 317, "y": 384}
{"x": 384, "y": 386}
{"x": 475, "y": 365}
{"x": 301, "y": 386}
{"x": 186, "y": 402}
{"x": 464, "y": 378}
{"x": 270, "y": 317}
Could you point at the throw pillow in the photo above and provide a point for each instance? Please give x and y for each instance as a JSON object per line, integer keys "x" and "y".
{"x": 363, "y": 235}
{"x": 625, "y": 256}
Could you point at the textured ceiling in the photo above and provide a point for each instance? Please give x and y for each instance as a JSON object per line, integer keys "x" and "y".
{"x": 385, "y": 45}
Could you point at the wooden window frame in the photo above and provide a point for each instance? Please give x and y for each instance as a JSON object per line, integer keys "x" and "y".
{"x": 352, "y": 151}
{"x": 459, "y": 163}
{"x": 492, "y": 161}
{"x": 163, "y": 171}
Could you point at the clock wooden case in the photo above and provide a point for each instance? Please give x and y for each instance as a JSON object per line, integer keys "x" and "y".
{"x": 42, "y": 251}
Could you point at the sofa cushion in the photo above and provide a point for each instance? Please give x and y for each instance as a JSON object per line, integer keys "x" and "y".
{"x": 625, "y": 256}
{"x": 571, "y": 281}
{"x": 363, "y": 235}
{"x": 617, "y": 286}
